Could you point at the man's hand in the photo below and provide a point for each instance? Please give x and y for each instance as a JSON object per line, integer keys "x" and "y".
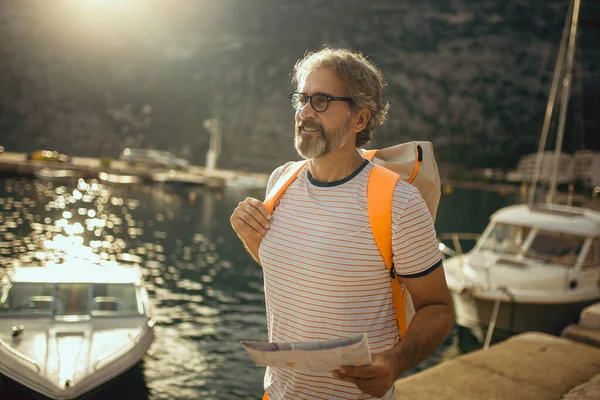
{"x": 375, "y": 379}
{"x": 251, "y": 220}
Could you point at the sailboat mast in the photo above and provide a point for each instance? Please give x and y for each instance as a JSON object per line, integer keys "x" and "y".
{"x": 560, "y": 60}
{"x": 564, "y": 99}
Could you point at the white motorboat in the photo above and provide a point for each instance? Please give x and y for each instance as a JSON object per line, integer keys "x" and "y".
{"x": 68, "y": 328}
{"x": 534, "y": 268}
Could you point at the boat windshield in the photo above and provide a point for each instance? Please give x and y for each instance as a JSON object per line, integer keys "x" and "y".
{"x": 505, "y": 238}
{"x": 97, "y": 299}
{"x": 593, "y": 257}
{"x": 72, "y": 299}
{"x": 555, "y": 247}
{"x": 114, "y": 299}
{"x": 27, "y": 298}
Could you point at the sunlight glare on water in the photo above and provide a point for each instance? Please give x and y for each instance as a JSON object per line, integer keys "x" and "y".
{"x": 203, "y": 304}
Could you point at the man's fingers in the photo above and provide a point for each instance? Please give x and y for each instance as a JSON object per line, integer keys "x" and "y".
{"x": 251, "y": 216}
{"x": 260, "y": 207}
{"x": 257, "y": 210}
{"x": 365, "y": 372}
{"x": 252, "y": 223}
{"x": 365, "y": 385}
{"x": 242, "y": 221}
{"x": 339, "y": 376}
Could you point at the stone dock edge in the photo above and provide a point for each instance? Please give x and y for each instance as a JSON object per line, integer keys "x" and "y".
{"x": 528, "y": 366}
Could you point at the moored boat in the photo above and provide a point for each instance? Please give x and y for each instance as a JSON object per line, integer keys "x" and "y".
{"x": 68, "y": 328}
{"x": 533, "y": 269}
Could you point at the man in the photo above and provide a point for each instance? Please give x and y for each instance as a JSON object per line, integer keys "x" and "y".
{"x": 324, "y": 275}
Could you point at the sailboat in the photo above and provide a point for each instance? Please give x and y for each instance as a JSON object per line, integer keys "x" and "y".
{"x": 536, "y": 265}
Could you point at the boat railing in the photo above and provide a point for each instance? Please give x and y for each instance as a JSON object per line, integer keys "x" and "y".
{"x": 492, "y": 325}
{"x": 457, "y": 240}
{"x": 141, "y": 331}
{"x": 19, "y": 355}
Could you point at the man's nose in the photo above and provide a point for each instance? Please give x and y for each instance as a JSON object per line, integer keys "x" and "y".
{"x": 307, "y": 111}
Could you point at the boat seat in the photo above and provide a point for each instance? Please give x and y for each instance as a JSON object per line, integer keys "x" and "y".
{"x": 106, "y": 303}
{"x": 40, "y": 302}
{"x": 568, "y": 259}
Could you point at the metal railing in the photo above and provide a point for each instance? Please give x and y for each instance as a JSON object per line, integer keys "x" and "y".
{"x": 456, "y": 239}
{"x": 495, "y": 312}
{"x": 135, "y": 339}
{"x": 19, "y": 355}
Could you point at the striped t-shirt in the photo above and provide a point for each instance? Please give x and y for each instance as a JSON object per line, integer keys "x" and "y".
{"x": 325, "y": 278}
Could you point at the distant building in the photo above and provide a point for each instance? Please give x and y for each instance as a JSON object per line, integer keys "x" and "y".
{"x": 583, "y": 166}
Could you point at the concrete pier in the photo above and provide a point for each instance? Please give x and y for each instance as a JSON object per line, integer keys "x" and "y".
{"x": 530, "y": 366}
{"x": 588, "y": 329}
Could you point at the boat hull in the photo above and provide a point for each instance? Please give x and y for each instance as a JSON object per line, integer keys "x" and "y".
{"x": 130, "y": 384}
{"x": 476, "y": 313}
{"x": 99, "y": 373}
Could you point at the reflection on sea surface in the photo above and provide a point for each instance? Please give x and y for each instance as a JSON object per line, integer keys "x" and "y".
{"x": 187, "y": 251}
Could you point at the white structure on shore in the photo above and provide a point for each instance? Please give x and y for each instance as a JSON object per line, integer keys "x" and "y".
{"x": 582, "y": 166}
{"x": 586, "y": 167}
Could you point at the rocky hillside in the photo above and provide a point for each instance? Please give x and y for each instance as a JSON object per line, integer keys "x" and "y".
{"x": 470, "y": 75}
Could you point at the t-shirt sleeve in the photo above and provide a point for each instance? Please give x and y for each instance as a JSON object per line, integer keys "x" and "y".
{"x": 275, "y": 175}
{"x": 414, "y": 241}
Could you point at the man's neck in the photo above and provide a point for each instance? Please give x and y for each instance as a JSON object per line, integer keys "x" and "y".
{"x": 335, "y": 166}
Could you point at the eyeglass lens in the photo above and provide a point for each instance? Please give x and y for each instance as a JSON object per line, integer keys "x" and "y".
{"x": 318, "y": 101}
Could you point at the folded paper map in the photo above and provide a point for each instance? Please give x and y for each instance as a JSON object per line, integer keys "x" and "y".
{"x": 316, "y": 356}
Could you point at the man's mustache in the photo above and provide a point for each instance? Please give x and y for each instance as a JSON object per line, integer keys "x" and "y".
{"x": 310, "y": 125}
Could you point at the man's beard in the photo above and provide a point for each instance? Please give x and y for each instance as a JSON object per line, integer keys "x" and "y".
{"x": 319, "y": 143}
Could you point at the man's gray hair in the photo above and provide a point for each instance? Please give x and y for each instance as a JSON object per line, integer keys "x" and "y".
{"x": 364, "y": 81}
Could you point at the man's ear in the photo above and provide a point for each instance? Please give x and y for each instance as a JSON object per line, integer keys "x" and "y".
{"x": 361, "y": 119}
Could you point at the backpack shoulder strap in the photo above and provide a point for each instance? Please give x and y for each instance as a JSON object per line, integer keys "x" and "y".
{"x": 283, "y": 183}
{"x": 380, "y": 193}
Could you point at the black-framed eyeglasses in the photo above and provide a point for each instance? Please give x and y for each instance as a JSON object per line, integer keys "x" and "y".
{"x": 318, "y": 101}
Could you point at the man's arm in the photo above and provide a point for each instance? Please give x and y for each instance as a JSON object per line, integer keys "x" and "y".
{"x": 433, "y": 320}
